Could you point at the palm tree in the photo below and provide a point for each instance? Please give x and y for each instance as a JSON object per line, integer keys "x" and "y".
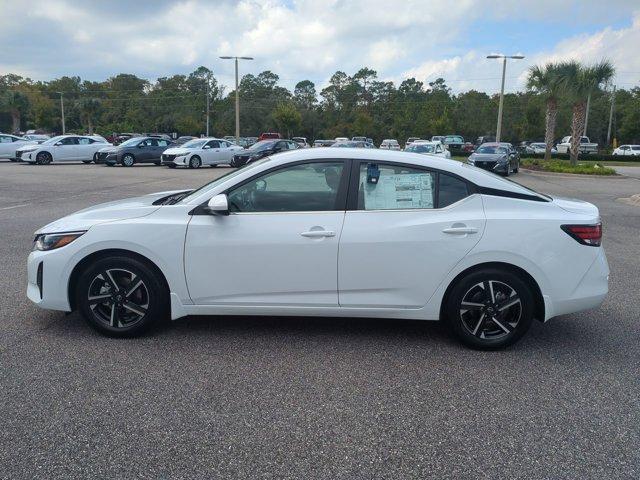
{"x": 89, "y": 108}
{"x": 15, "y": 103}
{"x": 583, "y": 81}
{"x": 550, "y": 81}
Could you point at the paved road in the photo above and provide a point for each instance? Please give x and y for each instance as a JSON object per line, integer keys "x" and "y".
{"x": 633, "y": 172}
{"x": 309, "y": 398}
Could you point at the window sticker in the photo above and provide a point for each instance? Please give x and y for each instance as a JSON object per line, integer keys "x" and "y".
{"x": 397, "y": 191}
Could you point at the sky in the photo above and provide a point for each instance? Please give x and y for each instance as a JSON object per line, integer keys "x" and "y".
{"x": 307, "y": 39}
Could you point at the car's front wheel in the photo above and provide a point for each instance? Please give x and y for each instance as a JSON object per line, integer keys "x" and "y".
{"x": 490, "y": 308}
{"x": 121, "y": 296}
{"x": 128, "y": 160}
{"x": 195, "y": 162}
{"x": 43, "y": 158}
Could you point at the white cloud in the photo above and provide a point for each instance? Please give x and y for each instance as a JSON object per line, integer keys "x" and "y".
{"x": 301, "y": 38}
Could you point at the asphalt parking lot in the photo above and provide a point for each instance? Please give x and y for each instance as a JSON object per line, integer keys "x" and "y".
{"x": 241, "y": 397}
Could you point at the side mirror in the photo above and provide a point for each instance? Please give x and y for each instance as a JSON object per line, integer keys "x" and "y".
{"x": 218, "y": 205}
{"x": 57, "y": 144}
{"x": 206, "y": 147}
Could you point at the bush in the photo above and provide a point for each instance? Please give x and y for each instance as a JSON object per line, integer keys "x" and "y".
{"x": 559, "y": 166}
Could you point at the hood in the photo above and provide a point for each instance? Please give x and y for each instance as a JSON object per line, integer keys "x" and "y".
{"x": 488, "y": 156}
{"x": 177, "y": 151}
{"x": 108, "y": 149}
{"x": 106, "y": 212}
{"x": 29, "y": 147}
{"x": 574, "y": 205}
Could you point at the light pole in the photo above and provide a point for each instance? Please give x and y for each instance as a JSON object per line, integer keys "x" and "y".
{"x": 504, "y": 69}
{"x": 62, "y": 110}
{"x": 237, "y": 95}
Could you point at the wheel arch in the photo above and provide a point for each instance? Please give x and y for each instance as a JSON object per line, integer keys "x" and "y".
{"x": 539, "y": 308}
{"x": 94, "y": 256}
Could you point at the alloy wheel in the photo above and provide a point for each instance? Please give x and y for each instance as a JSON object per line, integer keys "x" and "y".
{"x": 118, "y": 298}
{"x": 490, "y": 310}
{"x": 127, "y": 161}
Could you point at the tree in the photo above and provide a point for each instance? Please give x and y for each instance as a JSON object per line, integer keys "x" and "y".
{"x": 287, "y": 117}
{"x": 304, "y": 94}
{"x": 582, "y": 82}
{"x": 89, "y": 108}
{"x": 550, "y": 81}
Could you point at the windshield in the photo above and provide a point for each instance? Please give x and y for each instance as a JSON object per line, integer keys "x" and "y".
{"x": 131, "y": 142}
{"x": 453, "y": 139}
{"x": 262, "y": 145}
{"x": 208, "y": 186}
{"x": 194, "y": 143}
{"x": 491, "y": 149}
{"x": 53, "y": 140}
{"x": 421, "y": 148}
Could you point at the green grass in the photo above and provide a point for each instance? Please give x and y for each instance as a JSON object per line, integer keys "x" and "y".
{"x": 563, "y": 166}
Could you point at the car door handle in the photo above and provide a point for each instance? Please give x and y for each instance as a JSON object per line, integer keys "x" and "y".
{"x": 318, "y": 233}
{"x": 460, "y": 230}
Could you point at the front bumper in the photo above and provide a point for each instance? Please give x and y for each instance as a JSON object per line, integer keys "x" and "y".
{"x": 491, "y": 166}
{"x": 173, "y": 160}
{"x": 48, "y": 289}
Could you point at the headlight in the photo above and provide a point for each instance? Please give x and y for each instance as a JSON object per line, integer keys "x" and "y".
{"x": 471, "y": 160}
{"x": 51, "y": 241}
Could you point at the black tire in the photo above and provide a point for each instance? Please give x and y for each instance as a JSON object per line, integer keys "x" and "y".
{"x": 129, "y": 310}
{"x": 13, "y": 159}
{"x": 517, "y": 169}
{"x": 43, "y": 158}
{"x": 158, "y": 163}
{"x": 195, "y": 162}
{"x": 128, "y": 160}
{"x": 487, "y": 324}
{"x": 232, "y": 163}
{"x": 86, "y": 161}
{"x": 171, "y": 165}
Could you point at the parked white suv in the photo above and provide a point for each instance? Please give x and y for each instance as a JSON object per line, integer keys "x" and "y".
{"x": 628, "y": 150}
{"x": 428, "y": 148}
{"x": 390, "y": 144}
{"x": 201, "y": 151}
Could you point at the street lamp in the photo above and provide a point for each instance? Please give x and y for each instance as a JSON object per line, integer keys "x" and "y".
{"x": 504, "y": 69}
{"x": 237, "y": 95}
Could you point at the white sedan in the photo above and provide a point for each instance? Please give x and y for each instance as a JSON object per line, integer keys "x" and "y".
{"x": 428, "y": 148}
{"x": 329, "y": 232}
{"x": 201, "y": 151}
{"x": 63, "y": 148}
{"x": 9, "y": 144}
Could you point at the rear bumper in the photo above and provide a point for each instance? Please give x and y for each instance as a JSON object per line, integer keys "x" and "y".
{"x": 589, "y": 293}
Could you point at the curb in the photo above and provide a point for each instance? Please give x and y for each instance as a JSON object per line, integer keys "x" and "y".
{"x": 617, "y": 176}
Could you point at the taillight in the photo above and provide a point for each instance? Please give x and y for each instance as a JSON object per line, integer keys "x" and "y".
{"x": 585, "y": 234}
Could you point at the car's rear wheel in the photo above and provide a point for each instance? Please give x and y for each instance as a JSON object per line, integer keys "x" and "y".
{"x": 195, "y": 162}
{"x": 121, "y": 296}
{"x": 43, "y": 158}
{"x": 171, "y": 165}
{"x": 490, "y": 308}
{"x": 128, "y": 160}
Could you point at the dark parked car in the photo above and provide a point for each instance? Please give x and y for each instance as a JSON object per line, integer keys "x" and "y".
{"x": 484, "y": 139}
{"x": 262, "y": 149}
{"x": 454, "y": 143}
{"x": 136, "y": 150}
{"x": 496, "y": 157}
{"x": 323, "y": 143}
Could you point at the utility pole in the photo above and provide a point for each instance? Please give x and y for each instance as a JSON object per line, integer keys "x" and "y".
{"x": 500, "y": 105}
{"x": 208, "y": 101}
{"x": 611, "y": 109}
{"x": 64, "y": 130}
{"x": 586, "y": 117}
{"x": 237, "y": 94}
